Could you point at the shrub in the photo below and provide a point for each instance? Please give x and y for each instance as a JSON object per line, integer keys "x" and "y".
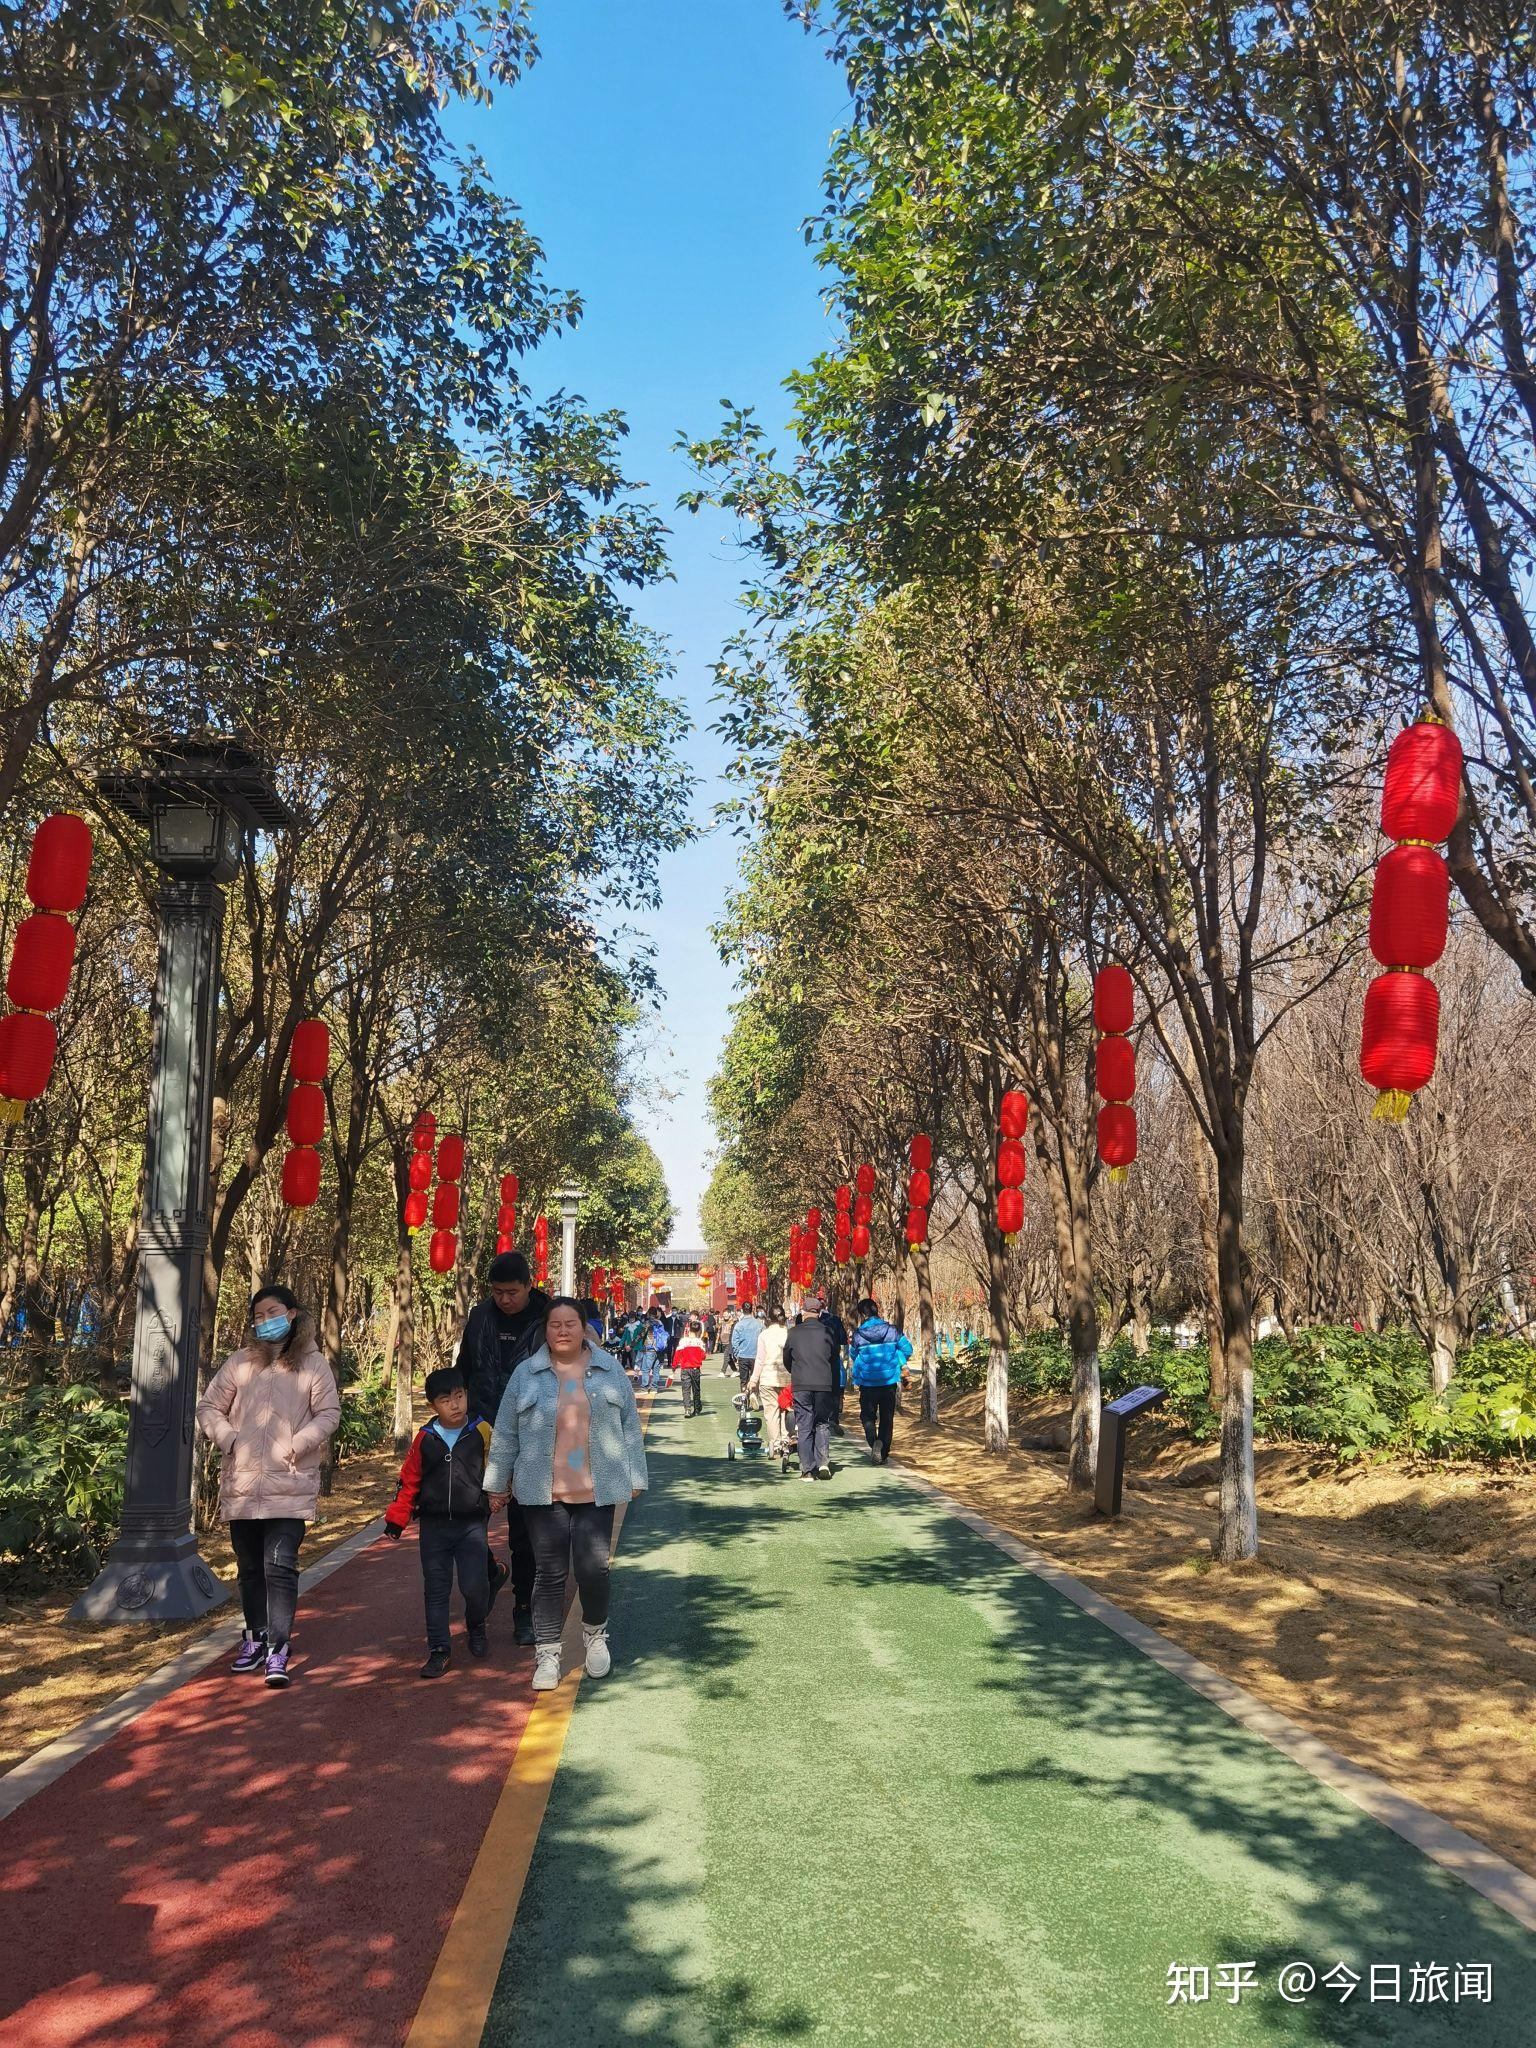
{"x": 61, "y": 1483}
{"x": 367, "y": 1414}
{"x": 1348, "y": 1391}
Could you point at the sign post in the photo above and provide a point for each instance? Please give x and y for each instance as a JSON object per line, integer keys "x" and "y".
{"x": 1114, "y": 1418}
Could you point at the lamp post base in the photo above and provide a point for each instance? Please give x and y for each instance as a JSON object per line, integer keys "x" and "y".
{"x": 154, "y": 1581}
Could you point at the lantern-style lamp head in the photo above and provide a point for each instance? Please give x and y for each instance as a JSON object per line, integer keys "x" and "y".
{"x": 199, "y": 798}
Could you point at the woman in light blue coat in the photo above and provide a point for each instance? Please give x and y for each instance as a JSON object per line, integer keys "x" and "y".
{"x": 567, "y": 1444}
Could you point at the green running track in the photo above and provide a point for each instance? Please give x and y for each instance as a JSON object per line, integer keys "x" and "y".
{"x": 857, "y": 1777}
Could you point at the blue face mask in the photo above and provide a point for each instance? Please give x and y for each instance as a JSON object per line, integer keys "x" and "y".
{"x": 273, "y": 1329}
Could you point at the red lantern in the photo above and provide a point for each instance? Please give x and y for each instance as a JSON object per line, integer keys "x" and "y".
{"x": 306, "y": 1114}
{"x": 506, "y": 1218}
{"x": 503, "y": 1244}
{"x": 1010, "y": 1211}
{"x": 301, "y": 1177}
{"x": 1010, "y": 1164}
{"x": 424, "y": 1132}
{"x": 1422, "y": 791}
{"x": 863, "y": 1209}
{"x": 813, "y": 1223}
{"x": 865, "y": 1180}
{"x": 1410, "y": 908}
{"x": 310, "y": 1055}
{"x": 541, "y": 1234}
{"x": 60, "y": 865}
{"x": 445, "y": 1206}
{"x": 917, "y": 1225}
{"x": 599, "y": 1281}
{"x": 41, "y": 963}
{"x": 450, "y": 1158}
{"x": 861, "y": 1240}
{"x": 842, "y": 1250}
{"x": 1397, "y": 1043}
{"x": 415, "y": 1212}
{"x": 1114, "y": 1069}
{"x": 920, "y": 1154}
{"x": 1117, "y": 1136}
{"x": 1013, "y": 1114}
{"x": 1114, "y": 999}
{"x": 920, "y": 1189}
{"x": 421, "y": 1171}
{"x": 844, "y": 1199}
{"x": 509, "y": 1187}
{"x": 443, "y": 1251}
{"x": 29, "y": 1045}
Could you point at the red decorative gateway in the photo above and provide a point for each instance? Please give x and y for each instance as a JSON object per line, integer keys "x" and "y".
{"x": 1410, "y": 914}
{"x": 1114, "y": 1067}
{"x": 309, "y": 1057}
{"x": 42, "y": 961}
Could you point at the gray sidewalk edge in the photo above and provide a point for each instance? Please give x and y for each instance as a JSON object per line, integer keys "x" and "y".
{"x": 46, "y": 1766}
{"x": 1476, "y": 1865}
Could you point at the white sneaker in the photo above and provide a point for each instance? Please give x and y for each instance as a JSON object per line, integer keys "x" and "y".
{"x": 599, "y": 1662}
{"x": 546, "y": 1669}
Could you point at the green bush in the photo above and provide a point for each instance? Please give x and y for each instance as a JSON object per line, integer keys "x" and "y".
{"x": 61, "y": 1483}
{"x": 1349, "y": 1392}
{"x": 367, "y": 1414}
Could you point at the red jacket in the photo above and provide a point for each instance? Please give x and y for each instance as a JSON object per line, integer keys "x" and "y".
{"x": 689, "y": 1355}
{"x": 442, "y": 1480}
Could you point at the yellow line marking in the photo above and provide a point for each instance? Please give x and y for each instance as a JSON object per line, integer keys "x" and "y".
{"x": 457, "y": 2001}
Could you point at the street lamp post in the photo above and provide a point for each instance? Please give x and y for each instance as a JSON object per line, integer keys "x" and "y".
{"x": 570, "y": 1201}
{"x": 199, "y": 799}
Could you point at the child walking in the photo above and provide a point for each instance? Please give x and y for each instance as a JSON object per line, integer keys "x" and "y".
{"x": 442, "y": 1483}
{"x": 689, "y": 1360}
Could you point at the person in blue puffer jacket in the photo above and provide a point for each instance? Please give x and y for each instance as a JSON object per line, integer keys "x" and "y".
{"x": 878, "y": 1353}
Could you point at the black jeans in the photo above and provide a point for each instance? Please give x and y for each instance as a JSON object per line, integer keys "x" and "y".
{"x": 813, "y": 1426}
{"x": 693, "y": 1399}
{"x": 877, "y": 1412}
{"x": 267, "y": 1560}
{"x": 445, "y": 1544}
{"x": 569, "y": 1536}
{"x": 520, "y": 1551}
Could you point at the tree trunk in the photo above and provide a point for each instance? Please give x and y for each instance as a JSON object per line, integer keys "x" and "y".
{"x": 1141, "y": 1308}
{"x": 995, "y": 1433}
{"x": 1444, "y": 1345}
{"x": 1237, "y": 1536}
{"x": 401, "y": 1350}
{"x": 927, "y": 1347}
{"x": 1083, "y": 1336}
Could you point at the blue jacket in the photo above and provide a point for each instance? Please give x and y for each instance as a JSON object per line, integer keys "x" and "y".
{"x": 744, "y": 1337}
{"x": 523, "y": 1442}
{"x": 879, "y": 1351}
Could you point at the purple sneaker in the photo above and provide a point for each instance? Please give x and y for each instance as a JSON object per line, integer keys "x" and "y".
{"x": 252, "y": 1654}
{"x": 277, "y": 1665}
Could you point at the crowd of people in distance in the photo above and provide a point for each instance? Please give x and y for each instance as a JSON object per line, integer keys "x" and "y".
{"x": 536, "y": 1420}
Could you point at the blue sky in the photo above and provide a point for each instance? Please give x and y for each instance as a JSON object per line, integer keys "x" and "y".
{"x": 667, "y": 156}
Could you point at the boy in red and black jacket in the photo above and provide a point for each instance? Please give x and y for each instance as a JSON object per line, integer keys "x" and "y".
{"x": 442, "y": 1483}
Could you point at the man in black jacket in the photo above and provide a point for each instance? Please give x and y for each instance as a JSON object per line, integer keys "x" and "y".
{"x": 499, "y": 1334}
{"x": 811, "y": 1355}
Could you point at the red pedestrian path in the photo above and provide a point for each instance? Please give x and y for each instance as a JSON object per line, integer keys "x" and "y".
{"x": 239, "y": 1868}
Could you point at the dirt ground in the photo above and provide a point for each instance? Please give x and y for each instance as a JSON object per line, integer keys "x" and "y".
{"x": 54, "y": 1673}
{"x": 1392, "y": 1610}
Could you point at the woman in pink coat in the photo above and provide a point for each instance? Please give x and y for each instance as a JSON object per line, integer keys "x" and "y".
{"x": 271, "y": 1408}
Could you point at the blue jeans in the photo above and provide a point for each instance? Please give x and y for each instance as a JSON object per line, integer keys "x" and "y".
{"x": 652, "y": 1365}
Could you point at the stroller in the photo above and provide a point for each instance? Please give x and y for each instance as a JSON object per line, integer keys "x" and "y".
{"x": 784, "y": 1400}
{"x": 749, "y": 1429}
